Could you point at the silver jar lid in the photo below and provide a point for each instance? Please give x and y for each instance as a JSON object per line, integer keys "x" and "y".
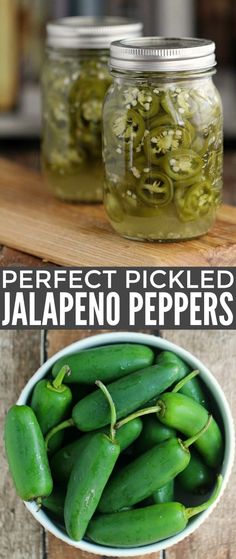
{"x": 163, "y": 54}
{"x": 90, "y": 32}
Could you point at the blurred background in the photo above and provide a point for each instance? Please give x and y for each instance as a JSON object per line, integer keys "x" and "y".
{"x": 22, "y": 35}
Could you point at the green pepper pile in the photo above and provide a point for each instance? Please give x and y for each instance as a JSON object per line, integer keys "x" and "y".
{"x": 113, "y": 459}
{"x": 74, "y": 88}
{"x": 163, "y": 157}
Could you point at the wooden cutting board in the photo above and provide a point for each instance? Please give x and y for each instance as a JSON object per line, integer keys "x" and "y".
{"x": 32, "y": 221}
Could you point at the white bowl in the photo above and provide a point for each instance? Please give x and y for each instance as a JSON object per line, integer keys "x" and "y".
{"x": 222, "y": 406}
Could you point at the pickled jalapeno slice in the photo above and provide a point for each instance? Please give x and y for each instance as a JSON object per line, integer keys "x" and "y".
{"x": 164, "y": 139}
{"x": 160, "y": 120}
{"x": 182, "y": 164}
{"x": 184, "y": 183}
{"x": 66, "y": 161}
{"x": 167, "y": 103}
{"x": 137, "y": 165}
{"x": 199, "y": 144}
{"x": 214, "y": 163}
{"x": 191, "y": 130}
{"x": 92, "y": 110}
{"x": 87, "y": 89}
{"x": 145, "y": 100}
{"x": 179, "y": 103}
{"x": 127, "y": 129}
{"x": 196, "y": 201}
{"x": 208, "y": 107}
{"x": 164, "y": 119}
{"x": 186, "y": 103}
{"x": 211, "y": 138}
{"x": 155, "y": 189}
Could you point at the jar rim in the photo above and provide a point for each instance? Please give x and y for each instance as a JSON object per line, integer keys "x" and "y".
{"x": 90, "y": 32}
{"x": 162, "y": 54}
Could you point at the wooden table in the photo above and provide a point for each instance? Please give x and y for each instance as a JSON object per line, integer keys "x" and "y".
{"x": 22, "y": 537}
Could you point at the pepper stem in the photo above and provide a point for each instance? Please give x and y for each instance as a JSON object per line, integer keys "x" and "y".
{"x": 106, "y": 393}
{"x": 184, "y": 381}
{"x": 194, "y": 438}
{"x": 60, "y": 427}
{"x": 39, "y": 503}
{"x": 200, "y": 508}
{"x": 57, "y": 382}
{"x": 139, "y": 413}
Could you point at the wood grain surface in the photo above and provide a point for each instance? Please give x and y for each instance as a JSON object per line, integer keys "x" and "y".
{"x": 22, "y": 537}
{"x": 34, "y": 222}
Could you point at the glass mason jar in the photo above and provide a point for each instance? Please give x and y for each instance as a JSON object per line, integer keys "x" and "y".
{"x": 75, "y": 79}
{"x": 162, "y": 139}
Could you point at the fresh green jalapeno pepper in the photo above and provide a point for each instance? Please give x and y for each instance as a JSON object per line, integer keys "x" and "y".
{"x": 128, "y": 393}
{"x": 54, "y": 503}
{"x": 197, "y": 477}
{"x": 147, "y": 473}
{"x": 187, "y": 416}
{"x": 26, "y": 454}
{"x": 63, "y": 461}
{"x": 166, "y": 356}
{"x": 153, "y": 433}
{"x": 194, "y": 202}
{"x": 145, "y": 525}
{"x": 165, "y": 139}
{"x": 106, "y": 363}
{"x": 164, "y": 494}
{"x": 89, "y": 477}
{"x": 182, "y": 164}
{"x": 51, "y": 402}
{"x": 155, "y": 189}
{"x": 193, "y": 387}
{"x": 87, "y": 481}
